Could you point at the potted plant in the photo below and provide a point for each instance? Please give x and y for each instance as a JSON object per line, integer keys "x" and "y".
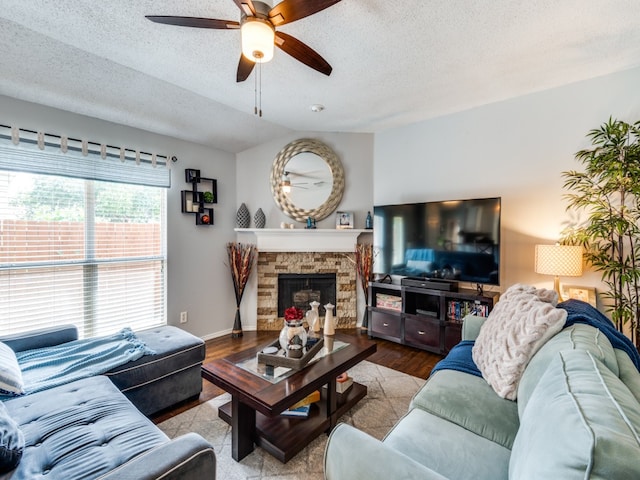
{"x": 208, "y": 197}
{"x": 608, "y": 191}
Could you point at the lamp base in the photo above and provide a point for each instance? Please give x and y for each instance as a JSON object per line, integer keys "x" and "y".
{"x": 556, "y": 287}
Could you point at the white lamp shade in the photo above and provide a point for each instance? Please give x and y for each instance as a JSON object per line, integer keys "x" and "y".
{"x": 258, "y": 37}
{"x": 559, "y": 260}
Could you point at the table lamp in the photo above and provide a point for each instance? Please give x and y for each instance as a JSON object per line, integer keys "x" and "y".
{"x": 559, "y": 260}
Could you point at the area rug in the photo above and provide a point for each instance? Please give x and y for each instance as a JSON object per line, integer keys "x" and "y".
{"x": 388, "y": 397}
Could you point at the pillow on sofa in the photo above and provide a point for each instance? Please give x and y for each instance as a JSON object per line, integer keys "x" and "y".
{"x": 10, "y": 373}
{"x": 11, "y": 441}
{"x": 581, "y": 422}
{"x": 520, "y": 323}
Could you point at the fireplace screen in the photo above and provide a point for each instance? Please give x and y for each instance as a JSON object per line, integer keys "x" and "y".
{"x": 300, "y": 289}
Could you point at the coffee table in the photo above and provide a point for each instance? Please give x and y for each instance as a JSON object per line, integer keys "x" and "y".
{"x": 256, "y": 402}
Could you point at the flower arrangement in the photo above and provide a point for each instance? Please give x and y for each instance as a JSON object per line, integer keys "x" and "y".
{"x": 241, "y": 258}
{"x": 293, "y": 314}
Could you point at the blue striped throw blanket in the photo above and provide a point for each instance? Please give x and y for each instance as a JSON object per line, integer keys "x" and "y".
{"x": 49, "y": 367}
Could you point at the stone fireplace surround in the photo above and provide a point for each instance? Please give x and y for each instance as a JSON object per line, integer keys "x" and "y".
{"x": 270, "y": 264}
{"x": 303, "y": 251}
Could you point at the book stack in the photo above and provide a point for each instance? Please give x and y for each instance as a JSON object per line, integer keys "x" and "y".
{"x": 303, "y": 407}
{"x": 458, "y": 309}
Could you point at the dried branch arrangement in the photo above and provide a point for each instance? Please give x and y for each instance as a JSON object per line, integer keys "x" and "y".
{"x": 241, "y": 257}
{"x": 364, "y": 265}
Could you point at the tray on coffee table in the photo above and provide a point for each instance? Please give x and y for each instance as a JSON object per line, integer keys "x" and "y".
{"x": 276, "y": 360}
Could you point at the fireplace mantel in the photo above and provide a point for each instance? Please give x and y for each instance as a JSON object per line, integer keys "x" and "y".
{"x": 305, "y": 240}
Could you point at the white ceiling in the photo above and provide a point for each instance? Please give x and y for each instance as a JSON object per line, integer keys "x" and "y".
{"x": 394, "y": 62}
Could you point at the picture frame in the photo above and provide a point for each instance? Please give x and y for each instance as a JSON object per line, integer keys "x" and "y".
{"x": 577, "y": 292}
{"x": 344, "y": 220}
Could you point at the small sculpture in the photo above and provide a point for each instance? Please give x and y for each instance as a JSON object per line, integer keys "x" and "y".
{"x": 329, "y": 320}
{"x": 313, "y": 317}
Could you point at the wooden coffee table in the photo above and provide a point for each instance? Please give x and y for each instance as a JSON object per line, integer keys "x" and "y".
{"x": 254, "y": 411}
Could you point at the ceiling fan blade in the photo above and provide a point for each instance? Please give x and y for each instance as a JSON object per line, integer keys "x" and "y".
{"x": 245, "y": 67}
{"x": 291, "y": 10}
{"x": 194, "y": 22}
{"x": 246, "y": 6}
{"x": 307, "y": 174}
{"x": 302, "y": 52}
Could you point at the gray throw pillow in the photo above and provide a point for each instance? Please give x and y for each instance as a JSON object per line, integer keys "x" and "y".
{"x": 10, "y": 373}
{"x": 11, "y": 441}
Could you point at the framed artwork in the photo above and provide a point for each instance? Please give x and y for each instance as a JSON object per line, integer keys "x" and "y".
{"x": 586, "y": 294}
{"x": 344, "y": 220}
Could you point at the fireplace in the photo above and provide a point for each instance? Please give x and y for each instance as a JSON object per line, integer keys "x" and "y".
{"x": 272, "y": 265}
{"x": 300, "y": 289}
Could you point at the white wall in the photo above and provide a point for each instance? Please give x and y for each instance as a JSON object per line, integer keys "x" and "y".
{"x": 515, "y": 149}
{"x": 355, "y": 151}
{"x": 198, "y": 280}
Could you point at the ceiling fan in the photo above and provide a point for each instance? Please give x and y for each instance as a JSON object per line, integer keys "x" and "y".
{"x": 287, "y": 183}
{"x": 258, "y": 22}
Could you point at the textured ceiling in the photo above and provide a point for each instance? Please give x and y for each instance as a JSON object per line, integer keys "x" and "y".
{"x": 394, "y": 62}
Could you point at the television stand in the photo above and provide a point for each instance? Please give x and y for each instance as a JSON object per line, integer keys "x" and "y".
{"x": 423, "y": 317}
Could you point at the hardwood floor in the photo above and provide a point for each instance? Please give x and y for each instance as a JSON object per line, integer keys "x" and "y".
{"x": 404, "y": 359}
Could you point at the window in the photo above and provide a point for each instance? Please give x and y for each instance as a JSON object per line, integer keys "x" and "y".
{"x": 81, "y": 251}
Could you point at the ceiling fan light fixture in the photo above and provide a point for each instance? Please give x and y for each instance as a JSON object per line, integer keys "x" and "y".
{"x": 286, "y": 183}
{"x": 258, "y": 38}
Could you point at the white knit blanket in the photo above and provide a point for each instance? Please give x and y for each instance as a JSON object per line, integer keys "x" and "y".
{"x": 519, "y": 324}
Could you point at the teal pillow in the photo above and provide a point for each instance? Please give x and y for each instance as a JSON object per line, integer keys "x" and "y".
{"x": 580, "y": 422}
{"x": 10, "y": 373}
{"x": 11, "y": 441}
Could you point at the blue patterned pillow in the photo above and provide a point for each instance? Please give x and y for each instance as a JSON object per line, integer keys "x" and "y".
{"x": 10, "y": 373}
{"x": 11, "y": 442}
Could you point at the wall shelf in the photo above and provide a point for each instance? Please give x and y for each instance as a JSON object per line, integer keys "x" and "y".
{"x": 204, "y": 192}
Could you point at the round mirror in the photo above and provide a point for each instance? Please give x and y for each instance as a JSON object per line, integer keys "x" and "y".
{"x": 307, "y": 180}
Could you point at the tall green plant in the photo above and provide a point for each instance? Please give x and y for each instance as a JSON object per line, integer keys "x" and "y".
{"x": 608, "y": 191}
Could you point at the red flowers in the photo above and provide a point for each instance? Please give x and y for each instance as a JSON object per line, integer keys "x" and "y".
{"x": 293, "y": 313}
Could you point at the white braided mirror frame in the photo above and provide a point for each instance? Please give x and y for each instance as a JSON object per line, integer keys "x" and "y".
{"x": 278, "y": 169}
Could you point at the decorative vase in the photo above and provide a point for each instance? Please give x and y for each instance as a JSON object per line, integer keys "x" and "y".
{"x": 293, "y": 338}
{"x": 329, "y": 320}
{"x": 259, "y": 220}
{"x": 243, "y": 218}
{"x": 313, "y": 317}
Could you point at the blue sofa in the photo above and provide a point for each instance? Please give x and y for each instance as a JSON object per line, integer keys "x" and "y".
{"x": 577, "y": 415}
{"x": 96, "y": 427}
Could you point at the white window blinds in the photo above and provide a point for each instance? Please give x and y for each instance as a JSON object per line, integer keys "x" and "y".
{"x": 79, "y": 250}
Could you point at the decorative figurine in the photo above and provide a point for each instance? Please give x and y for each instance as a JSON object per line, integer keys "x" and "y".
{"x": 329, "y": 320}
{"x": 311, "y": 223}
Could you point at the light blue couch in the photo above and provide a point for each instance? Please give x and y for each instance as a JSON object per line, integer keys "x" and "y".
{"x": 577, "y": 416}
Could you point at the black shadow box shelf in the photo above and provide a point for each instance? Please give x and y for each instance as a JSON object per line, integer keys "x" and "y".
{"x": 204, "y": 191}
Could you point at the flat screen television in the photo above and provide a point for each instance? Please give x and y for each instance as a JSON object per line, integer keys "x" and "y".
{"x": 456, "y": 240}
